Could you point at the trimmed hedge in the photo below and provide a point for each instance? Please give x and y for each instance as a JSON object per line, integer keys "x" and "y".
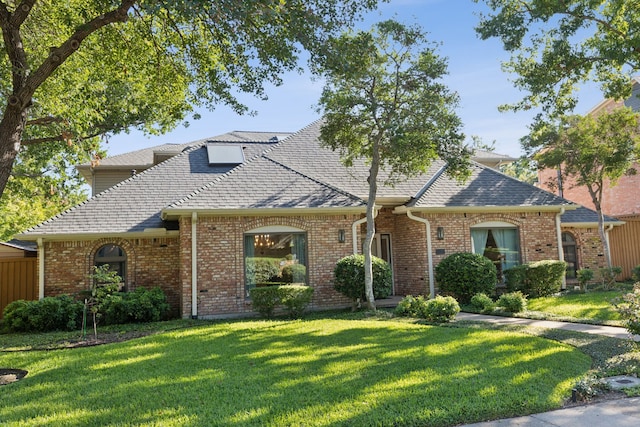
{"x": 294, "y": 298}
{"x": 349, "y": 277}
{"x": 536, "y": 279}
{"x": 48, "y": 314}
{"x": 465, "y": 274}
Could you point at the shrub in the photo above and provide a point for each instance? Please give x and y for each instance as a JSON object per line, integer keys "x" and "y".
{"x": 515, "y": 278}
{"x": 349, "y": 277}
{"x": 295, "y": 298}
{"x": 464, "y": 275}
{"x": 629, "y": 309}
{"x": 608, "y": 276}
{"x": 536, "y": 279}
{"x": 635, "y": 273}
{"x": 513, "y": 302}
{"x": 544, "y": 278}
{"x": 261, "y": 269}
{"x": 438, "y": 310}
{"x": 411, "y": 306}
{"x": 584, "y": 276}
{"x": 141, "y": 305}
{"x": 441, "y": 309}
{"x": 49, "y": 314}
{"x": 294, "y": 273}
{"x": 482, "y": 303}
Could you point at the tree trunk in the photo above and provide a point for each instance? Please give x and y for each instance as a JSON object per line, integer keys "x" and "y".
{"x": 11, "y": 129}
{"x": 371, "y": 227}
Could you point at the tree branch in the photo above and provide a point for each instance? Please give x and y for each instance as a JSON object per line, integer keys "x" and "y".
{"x": 60, "y": 54}
{"x": 21, "y": 13}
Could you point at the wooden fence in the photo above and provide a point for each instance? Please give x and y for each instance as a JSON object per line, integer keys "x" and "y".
{"x": 625, "y": 246}
{"x": 18, "y": 280}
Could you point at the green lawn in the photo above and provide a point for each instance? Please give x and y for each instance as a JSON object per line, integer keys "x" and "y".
{"x": 595, "y": 306}
{"x": 322, "y": 372}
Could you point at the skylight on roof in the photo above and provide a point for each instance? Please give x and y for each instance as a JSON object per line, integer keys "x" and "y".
{"x": 228, "y": 155}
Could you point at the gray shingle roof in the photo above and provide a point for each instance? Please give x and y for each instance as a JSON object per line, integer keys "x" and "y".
{"x": 265, "y": 184}
{"x": 584, "y": 215}
{"x": 135, "y": 204}
{"x": 485, "y": 187}
{"x": 295, "y": 173}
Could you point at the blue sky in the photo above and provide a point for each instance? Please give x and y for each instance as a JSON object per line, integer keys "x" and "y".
{"x": 474, "y": 72}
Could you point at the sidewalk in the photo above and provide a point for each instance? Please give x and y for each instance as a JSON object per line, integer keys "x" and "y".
{"x": 612, "y": 413}
{"x": 609, "y": 331}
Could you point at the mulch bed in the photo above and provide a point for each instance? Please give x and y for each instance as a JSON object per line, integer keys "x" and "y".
{"x": 8, "y": 376}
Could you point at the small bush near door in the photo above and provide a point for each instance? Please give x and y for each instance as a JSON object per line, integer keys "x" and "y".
{"x": 349, "y": 277}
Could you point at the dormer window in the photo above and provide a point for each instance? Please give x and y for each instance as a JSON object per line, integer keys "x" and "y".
{"x": 225, "y": 155}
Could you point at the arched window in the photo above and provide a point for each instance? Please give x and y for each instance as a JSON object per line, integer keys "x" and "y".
{"x": 569, "y": 248}
{"x": 115, "y": 257}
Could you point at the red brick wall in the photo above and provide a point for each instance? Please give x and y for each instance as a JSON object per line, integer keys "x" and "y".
{"x": 150, "y": 262}
{"x": 221, "y": 260}
{"x": 617, "y": 200}
{"x": 588, "y": 247}
{"x": 537, "y": 233}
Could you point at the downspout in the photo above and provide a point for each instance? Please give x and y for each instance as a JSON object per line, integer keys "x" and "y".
{"x": 194, "y": 265}
{"x": 40, "y": 268}
{"x": 606, "y": 235}
{"x": 559, "y": 238}
{"x": 432, "y": 288}
{"x": 354, "y": 230}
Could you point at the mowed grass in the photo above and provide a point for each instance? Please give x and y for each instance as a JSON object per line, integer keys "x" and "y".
{"x": 322, "y": 372}
{"x": 596, "y": 306}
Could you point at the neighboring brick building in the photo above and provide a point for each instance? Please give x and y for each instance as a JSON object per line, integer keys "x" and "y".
{"x": 198, "y": 222}
{"x": 619, "y": 201}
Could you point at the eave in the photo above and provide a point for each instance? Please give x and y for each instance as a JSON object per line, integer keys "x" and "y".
{"x": 483, "y": 209}
{"x": 175, "y": 213}
{"x": 59, "y": 237}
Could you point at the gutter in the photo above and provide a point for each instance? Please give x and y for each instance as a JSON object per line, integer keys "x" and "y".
{"x": 40, "y": 268}
{"x": 606, "y": 236}
{"x": 559, "y": 239}
{"x": 427, "y": 224}
{"x": 194, "y": 266}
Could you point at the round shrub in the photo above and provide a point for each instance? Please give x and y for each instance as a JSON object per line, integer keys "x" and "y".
{"x": 513, "y": 302}
{"x": 482, "y": 303}
{"x": 349, "y": 277}
{"x": 441, "y": 309}
{"x": 294, "y": 273}
{"x": 464, "y": 275}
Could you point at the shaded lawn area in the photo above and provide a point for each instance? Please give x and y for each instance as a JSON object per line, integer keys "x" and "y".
{"x": 595, "y": 306}
{"x": 322, "y": 372}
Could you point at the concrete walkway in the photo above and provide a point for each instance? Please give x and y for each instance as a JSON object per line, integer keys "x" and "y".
{"x": 612, "y": 413}
{"x": 609, "y": 331}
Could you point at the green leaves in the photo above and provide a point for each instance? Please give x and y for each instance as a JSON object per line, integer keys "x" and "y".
{"x": 556, "y": 46}
{"x": 384, "y": 91}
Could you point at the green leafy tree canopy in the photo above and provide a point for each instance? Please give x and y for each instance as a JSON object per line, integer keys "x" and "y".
{"x": 558, "y": 45}
{"x": 384, "y": 102}
{"x": 71, "y": 70}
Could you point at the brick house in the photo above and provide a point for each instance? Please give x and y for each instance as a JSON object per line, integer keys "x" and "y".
{"x": 618, "y": 201}
{"x": 193, "y": 217}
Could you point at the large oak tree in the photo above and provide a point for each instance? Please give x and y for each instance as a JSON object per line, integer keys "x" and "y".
{"x": 71, "y": 70}
{"x": 384, "y": 102}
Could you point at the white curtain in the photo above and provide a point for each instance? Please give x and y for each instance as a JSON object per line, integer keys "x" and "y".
{"x": 507, "y": 241}
{"x": 479, "y": 239}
